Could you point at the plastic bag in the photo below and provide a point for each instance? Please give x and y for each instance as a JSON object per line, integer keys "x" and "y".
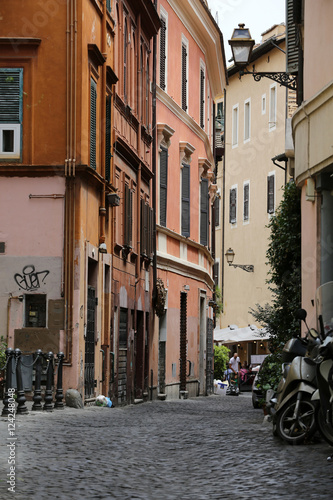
{"x": 103, "y": 401}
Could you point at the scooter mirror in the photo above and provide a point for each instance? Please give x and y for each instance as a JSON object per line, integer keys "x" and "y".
{"x": 313, "y": 333}
{"x": 301, "y": 314}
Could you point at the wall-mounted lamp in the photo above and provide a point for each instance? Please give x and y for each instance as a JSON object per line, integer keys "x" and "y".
{"x": 241, "y": 45}
{"x": 186, "y": 288}
{"x": 230, "y": 254}
{"x": 102, "y": 248}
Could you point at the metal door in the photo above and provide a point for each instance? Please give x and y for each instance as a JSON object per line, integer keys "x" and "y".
{"x": 210, "y": 357}
{"x": 89, "y": 362}
{"x": 183, "y": 340}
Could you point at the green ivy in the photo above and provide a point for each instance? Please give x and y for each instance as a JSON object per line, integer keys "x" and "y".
{"x": 221, "y": 359}
{"x": 3, "y": 347}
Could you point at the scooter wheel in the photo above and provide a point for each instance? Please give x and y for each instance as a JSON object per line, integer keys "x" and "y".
{"x": 294, "y": 429}
{"x": 326, "y": 430}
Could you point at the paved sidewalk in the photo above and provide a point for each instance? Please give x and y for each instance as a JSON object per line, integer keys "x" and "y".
{"x": 207, "y": 448}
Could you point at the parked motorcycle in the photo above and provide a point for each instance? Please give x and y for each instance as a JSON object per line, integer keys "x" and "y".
{"x": 291, "y": 407}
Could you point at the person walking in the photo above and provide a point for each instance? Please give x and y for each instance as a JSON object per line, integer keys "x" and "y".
{"x": 234, "y": 365}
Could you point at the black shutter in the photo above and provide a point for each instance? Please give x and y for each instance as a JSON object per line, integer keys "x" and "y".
{"x": 204, "y": 212}
{"x": 232, "y": 206}
{"x": 186, "y": 200}
{"x": 162, "y": 53}
{"x": 163, "y": 185}
{"x": 11, "y": 88}
{"x": 217, "y": 211}
{"x": 93, "y": 100}
{"x": 216, "y": 271}
{"x": 246, "y": 202}
{"x": 270, "y": 194}
{"x": 202, "y": 97}
{"x": 108, "y": 138}
{"x": 184, "y": 80}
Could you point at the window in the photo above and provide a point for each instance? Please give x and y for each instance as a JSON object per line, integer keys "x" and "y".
{"x": 263, "y": 104}
{"x": 185, "y": 216}
{"x": 246, "y": 201}
{"x": 202, "y": 97}
{"x": 184, "y": 74}
{"x": 247, "y": 120}
{"x": 128, "y": 216}
{"x": 217, "y": 211}
{"x": 272, "y": 107}
{"x": 108, "y": 138}
{"x": 163, "y": 50}
{"x": 233, "y": 205}
{"x": 163, "y": 185}
{"x": 204, "y": 212}
{"x": 125, "y": 60}
{"x": 35, "y": 311}
{"x": 146, "y": 229}
{"x": 11, "y": 91}
{"x": 216, "y": 271}
{"x": 93, "y": 102}
{"x": 147, "y": 93}
{"x": 270, "y": 193}
{"x": 108, "y": 6}
{"x": 235, "y": 126}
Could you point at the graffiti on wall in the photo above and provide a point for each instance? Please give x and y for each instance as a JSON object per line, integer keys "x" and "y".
{"x": 30, "y": 279}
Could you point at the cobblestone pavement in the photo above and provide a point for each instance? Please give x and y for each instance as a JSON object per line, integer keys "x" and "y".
{"x": 215, "y": 447}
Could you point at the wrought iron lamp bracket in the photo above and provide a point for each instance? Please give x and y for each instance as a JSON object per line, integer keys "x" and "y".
{"x": 284, "y": 79}
{"x": 249, "y": 268}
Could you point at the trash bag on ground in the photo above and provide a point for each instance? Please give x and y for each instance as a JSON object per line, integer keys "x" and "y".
{"x": 103, "y": 401}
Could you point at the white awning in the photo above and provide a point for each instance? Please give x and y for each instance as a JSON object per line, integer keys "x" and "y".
{"x": 232, "y": 335}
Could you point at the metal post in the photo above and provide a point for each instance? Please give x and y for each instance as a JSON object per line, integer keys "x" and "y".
{"x": 9, "y": 381}
{"x": 37, "y": 397}
{"x": 59, "y": 405}
{"x": 21, "y": 407}
{"x": 49, "y": 383}
{"x": 151, "y": 384}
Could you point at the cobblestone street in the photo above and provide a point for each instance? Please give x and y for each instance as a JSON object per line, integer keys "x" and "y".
{"x": 213, "y": 447}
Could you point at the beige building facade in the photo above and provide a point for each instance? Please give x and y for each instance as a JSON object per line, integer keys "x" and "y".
{"x": 250, "y": 185}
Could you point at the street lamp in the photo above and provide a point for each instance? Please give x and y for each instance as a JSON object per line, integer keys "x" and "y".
{"x": 230, "y": 254}
{"x": 241, "y": 45}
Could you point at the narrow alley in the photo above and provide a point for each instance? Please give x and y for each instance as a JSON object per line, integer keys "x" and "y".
{"x": 196, "y": 449}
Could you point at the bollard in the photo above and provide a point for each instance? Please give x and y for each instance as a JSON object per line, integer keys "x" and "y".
{"x": 37, "y": 397}
{"x": 59, "y": 405}
{"x": 49, "y": 383}
{"x": 9, "y": 382}
{"x": 21, "y": 407}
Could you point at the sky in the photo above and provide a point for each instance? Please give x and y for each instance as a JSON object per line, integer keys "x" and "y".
{"x": 257, "y": 15}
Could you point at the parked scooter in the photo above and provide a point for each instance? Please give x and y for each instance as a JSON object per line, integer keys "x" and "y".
{"x": 324, "y": 393}
{"x": 291, "y": 407}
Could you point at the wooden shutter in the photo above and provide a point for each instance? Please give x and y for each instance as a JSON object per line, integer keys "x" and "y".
{"x": 204, "y": 212}
{"x": 246, "y": 202}
{"x": 202, "y": 97}
{"x": 125, "y": 59}
{"x": 108, "y": 138}
{"x": 128, "y": 216}
{"x": 108, "y": 5}
{"x": 232, "y": 206}
{"x": 292, "y": 38}
{"x": 186, "y": 200}
{"x": 270, "y": 194}
{"x": 184, "y": 80}
{"x": 163, "y": 185}
{"x": 162, "y": 53}
{"x": 11, "y": 88}
{"x": 216, "y": 271}
{"x": 93, "y": 101}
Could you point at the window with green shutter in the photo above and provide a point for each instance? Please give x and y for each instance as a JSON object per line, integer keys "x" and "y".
{"x": 163, "y": 185}
{"x": 11, "y": 113}
{"x": 270, "y": 193}
{"x": 128, "y": 217}
{"x": 204, "y": 212}
{"x": 233, "y": 206}
{"x": 185, "y": 200}
{"x": 93, "y": 102}
{"x": 217, "y": 211}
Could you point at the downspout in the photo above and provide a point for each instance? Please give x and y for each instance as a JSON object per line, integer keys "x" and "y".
{"x": 223, "y": 201}
{"x": 154, "y": 151}
{"x": 102, "y": 209}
